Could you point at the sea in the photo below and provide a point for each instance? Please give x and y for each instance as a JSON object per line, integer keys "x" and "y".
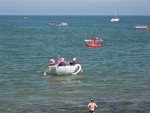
{"x": 116, "y": 75}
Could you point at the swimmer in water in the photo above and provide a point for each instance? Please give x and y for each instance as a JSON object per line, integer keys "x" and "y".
{"x": 92, "y": 106}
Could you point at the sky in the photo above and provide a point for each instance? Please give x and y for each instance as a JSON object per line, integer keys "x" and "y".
{"x": 74, "y": 7}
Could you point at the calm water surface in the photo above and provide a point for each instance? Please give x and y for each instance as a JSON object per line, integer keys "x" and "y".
{"x": 116, "y": 75}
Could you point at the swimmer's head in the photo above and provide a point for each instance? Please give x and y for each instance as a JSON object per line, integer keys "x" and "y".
{"x": 92, "y": 100}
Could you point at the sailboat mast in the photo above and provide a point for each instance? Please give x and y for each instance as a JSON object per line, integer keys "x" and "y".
{"x": 117, "y": 9}
{"x": 116, "y": 19}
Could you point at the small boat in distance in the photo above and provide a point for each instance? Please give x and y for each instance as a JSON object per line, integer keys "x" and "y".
{"x": 63, "y": 24}
{"x": 51, "y": 23}
{"x": 116, "y": 19}
{"x": 57, "y": 24}
{"x": 141, "y": 27}
{"x": 93, "y": 42}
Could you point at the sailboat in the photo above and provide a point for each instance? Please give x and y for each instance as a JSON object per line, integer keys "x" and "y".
{"x": 116, "y": 19}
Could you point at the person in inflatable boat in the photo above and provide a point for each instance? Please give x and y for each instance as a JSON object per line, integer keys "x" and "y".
{"x": 62, "y": 62}
{"x": 51, "y": 62}
{"x": 73, "y": 62}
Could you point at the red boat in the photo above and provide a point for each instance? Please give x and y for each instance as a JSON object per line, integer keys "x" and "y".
{"x": 93, "y": 44}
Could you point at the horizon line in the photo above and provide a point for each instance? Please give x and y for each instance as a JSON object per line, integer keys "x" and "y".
{"x": 64, "y": 15}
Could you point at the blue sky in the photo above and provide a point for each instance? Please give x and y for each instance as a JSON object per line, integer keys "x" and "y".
{"x": 74, "y": 7}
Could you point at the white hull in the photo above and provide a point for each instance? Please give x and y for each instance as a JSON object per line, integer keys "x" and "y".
{"x": 63, "y": 24}
{"x": 140, "y": 27}
{"x": 65, "y": 70}
{"x": 89, "y": 40}
{"x": 114, "y": 20}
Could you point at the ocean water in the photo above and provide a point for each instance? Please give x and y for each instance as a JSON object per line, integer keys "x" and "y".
{"x": 116, "y": 75}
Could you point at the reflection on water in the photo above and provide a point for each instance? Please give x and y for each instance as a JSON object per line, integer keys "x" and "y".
{"x": 62, "y": 80}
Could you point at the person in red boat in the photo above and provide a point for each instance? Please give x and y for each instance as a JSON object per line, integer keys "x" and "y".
{"x": 94, "y": 39}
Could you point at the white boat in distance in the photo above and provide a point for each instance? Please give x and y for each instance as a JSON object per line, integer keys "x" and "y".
{"x": 63, "y": 24}
{"x": 116, "y": 19}
{"x": 65, "y": 70}
{"x": 140, "y": 27}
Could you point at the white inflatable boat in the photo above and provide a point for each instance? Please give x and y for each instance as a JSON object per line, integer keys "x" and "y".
{"x": 65, "y": 70}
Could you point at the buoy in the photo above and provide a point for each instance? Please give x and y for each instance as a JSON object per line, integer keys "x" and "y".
{"x": 44, "y": 73}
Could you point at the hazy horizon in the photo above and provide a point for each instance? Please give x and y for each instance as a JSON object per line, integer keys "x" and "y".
{"x": 74, "y": 7}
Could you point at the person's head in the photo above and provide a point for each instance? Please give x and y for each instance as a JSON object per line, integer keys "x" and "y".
{"x": 74, "y": 59}
{"x": 92, "y": 100}
{"x": 52, "y": 61}
{"x": 61, "y": 60}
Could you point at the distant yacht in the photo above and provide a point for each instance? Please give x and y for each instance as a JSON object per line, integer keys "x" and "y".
{"x": 141, "y": 27}
{"x": 51, "y": 23}
{"x": 63, "y": 24}
{"x": 116, "y": 19}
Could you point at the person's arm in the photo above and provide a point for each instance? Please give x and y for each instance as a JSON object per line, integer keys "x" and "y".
{"x": 95, "y": 105}
{"x": 88, "y": 105}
